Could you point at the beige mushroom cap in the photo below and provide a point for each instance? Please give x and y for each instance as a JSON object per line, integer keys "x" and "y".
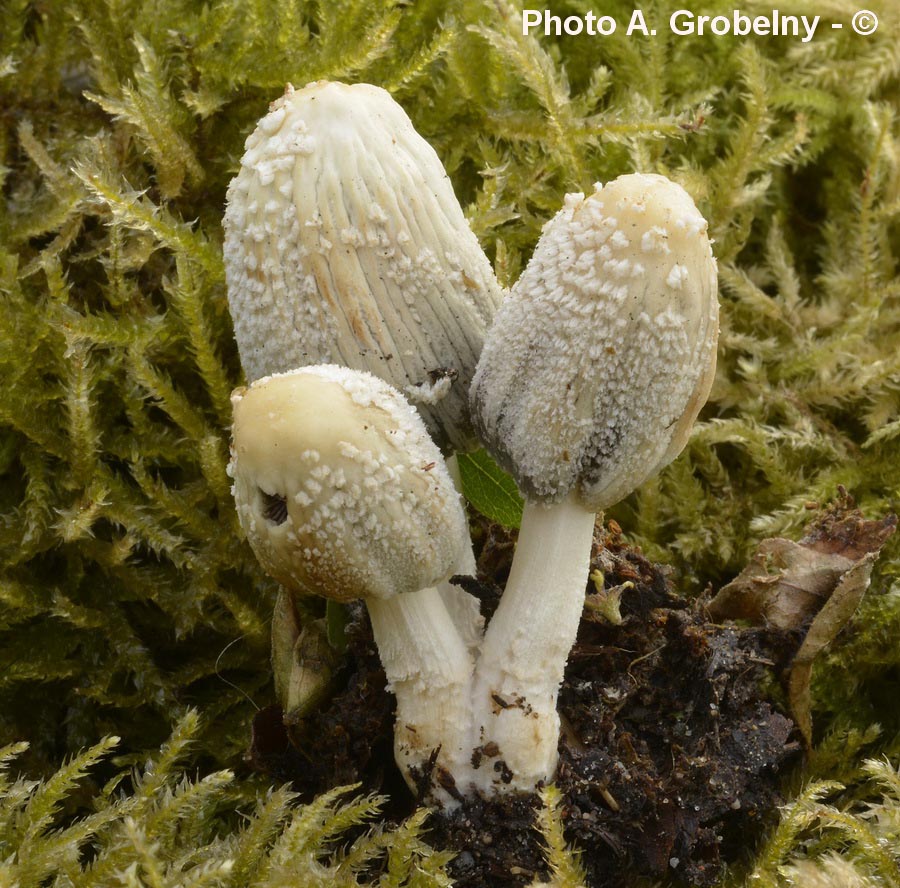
{"x": 604, "y": 352}
{"x": 345, "y": 244}
{"x": 339, "y": 488}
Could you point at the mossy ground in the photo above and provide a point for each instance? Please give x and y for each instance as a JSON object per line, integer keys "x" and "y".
{"x": 126, "y": 594}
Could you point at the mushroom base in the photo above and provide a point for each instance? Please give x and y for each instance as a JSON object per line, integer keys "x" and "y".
{"x": 654, "y": 780}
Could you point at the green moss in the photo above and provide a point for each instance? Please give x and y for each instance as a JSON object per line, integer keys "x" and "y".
{"x": 836, "y": 836}
{"x": 158, "y": 827}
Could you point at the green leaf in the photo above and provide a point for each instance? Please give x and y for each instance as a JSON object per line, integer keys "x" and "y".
{"x": 489, "y": 489}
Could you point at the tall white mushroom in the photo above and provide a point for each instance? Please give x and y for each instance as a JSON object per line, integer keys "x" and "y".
{"x": 344, "y": 243}
{"x": 342, "y": 494}
{"x": 589, "y": 382}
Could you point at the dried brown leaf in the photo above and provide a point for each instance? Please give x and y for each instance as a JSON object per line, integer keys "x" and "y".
{"x": 814, "y": 585}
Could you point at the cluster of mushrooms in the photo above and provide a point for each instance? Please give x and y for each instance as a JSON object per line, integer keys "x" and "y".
{"x": 377, "y": 342}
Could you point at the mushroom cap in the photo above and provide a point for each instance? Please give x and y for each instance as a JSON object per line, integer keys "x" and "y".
{"x": 339, "y": 488}
{"x": 604, "y": 352}
{"x": 344, "y": 243}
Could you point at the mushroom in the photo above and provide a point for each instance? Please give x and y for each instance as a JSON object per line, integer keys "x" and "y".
{"x": 344, "y": 243}
{"x": 589, "y": 382}
{"x": 342, "y": 494}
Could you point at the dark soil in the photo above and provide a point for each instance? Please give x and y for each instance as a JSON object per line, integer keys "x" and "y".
{"x": 670, "y": 755}
{"x": 675, "y": 748}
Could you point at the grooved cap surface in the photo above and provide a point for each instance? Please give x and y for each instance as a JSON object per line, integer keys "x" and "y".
{"x": 344, "y": 243}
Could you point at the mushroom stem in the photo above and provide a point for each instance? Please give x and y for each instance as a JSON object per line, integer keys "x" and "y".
{"x": 527, "y": 643}
{"x": 429, "y": 670}
{"x": 464, "y": 609}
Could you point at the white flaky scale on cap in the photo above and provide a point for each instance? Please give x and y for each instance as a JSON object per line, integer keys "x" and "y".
{"x": 344, "y": 243}
{"x": 589, "y": 382}
{"x": 342, "y": 494}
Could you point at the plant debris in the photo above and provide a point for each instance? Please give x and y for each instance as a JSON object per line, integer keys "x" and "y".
{"x": 348, "y": 740}
{"x": 815, "y": 585}
{"x": 673, "y": 741}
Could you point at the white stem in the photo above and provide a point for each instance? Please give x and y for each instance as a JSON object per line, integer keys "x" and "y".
{"x": 517, "y": 679}
{"x": 452, "y": 464}
{"x": 464, "y": 609}
{"x": 429, "y": 669}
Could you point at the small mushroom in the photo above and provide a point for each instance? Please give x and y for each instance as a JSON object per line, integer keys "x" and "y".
{"x": 345, "y": 244}
{"x": 589, "y": 382}
{"x": 342, "y": 494}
